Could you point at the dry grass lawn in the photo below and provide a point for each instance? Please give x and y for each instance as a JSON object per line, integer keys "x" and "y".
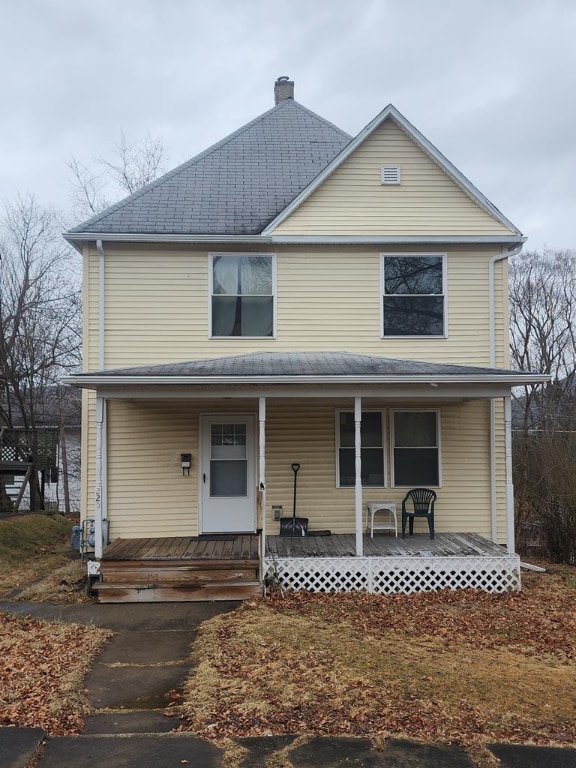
{"x": 449, "y": 667}
{"x": 43, "y": 664}
{"x": 37, "y": 562}
{"x": 42, "y": 669}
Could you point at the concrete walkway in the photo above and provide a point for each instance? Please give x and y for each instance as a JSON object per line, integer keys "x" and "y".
{"x": 146, "y": 659}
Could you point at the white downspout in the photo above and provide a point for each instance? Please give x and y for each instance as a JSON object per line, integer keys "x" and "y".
{"x": 492, "y": 342}
{"x": 101, "y": 303}
{"x": 358, "y": 464}
{"x": 101, "y": 511}
{"x": 98, "y": 505}
{"x": 262, "y": 478}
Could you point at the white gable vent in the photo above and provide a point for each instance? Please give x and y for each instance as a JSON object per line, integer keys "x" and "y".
{"x": 390, "y": 174}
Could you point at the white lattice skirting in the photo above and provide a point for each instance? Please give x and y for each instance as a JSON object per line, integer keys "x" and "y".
{"x": 397, "y": 575}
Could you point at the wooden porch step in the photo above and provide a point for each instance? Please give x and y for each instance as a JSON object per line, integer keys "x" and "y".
{"x": 176, "y": 592}
{"x": 157, "y": 576}
{"x": 188, "y": 565}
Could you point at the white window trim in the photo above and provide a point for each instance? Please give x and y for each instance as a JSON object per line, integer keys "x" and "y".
{"x": 393, "y": 411}
{"x": 444, "y": 256}
{"x": 382, "y": 412}
{"x": 273, "y": 256}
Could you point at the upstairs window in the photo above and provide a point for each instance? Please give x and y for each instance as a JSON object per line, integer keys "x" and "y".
{"x": 413, "y": 302}
{"x": 242, "y": 295}
{"x": 372, "y": 450}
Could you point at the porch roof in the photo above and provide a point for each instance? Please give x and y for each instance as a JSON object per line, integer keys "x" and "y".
{"x": 302, "y": 368}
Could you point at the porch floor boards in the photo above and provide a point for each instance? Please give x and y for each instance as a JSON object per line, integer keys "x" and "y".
{"x": 183, "y": 548}
{"x": 383, "y": 545}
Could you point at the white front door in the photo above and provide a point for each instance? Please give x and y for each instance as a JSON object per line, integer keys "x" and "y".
{"x": 227, "y": 478}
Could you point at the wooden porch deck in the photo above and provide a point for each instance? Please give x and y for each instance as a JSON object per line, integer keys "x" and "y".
{"x": 186, "y": 548}
{"x": 227, "y": 567}
{"x": 391, "y": 565}
{"x": 382, "y": 545}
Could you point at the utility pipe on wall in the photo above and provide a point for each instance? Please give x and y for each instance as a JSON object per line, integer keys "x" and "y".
{"x": 98, "y": 506}
{"x": 101, "y": 489}
{"x": 101, "y": 303}
{"x": 492, "y": 351}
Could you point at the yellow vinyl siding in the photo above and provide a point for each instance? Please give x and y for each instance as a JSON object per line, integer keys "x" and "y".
{"x": 157, "y": 307}
{"x": 148, "y": 496}
{"x": 352, "y": 200}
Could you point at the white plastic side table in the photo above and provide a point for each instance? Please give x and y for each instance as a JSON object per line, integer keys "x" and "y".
{"x": 391, "y": 524}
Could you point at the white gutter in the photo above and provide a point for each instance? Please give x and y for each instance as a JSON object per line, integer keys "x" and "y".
{"x": 492, "y": 362}
{"x": 101, "y": 302}
{"x": 91, "y": 381}
{"x": 143, "y": 237}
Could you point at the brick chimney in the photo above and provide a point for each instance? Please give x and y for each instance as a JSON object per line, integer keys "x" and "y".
{"x": 283, "y": 89}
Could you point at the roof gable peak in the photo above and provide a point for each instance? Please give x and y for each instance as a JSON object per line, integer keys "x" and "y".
{"x": 390, "y": 112}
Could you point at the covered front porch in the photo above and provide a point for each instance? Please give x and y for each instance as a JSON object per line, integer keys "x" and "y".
{"x": 230, "y": 567}
{"x": 179, "y": 448}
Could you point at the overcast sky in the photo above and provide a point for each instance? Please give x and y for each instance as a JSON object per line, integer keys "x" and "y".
{"x": 491, "y": 83}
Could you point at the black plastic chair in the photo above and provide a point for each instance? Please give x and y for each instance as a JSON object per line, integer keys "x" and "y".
{"x": 422, "y": 501}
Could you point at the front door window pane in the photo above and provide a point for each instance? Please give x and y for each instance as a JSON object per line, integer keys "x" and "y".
{"x": 228, "y": 478}
{"x": 228, "y": 460}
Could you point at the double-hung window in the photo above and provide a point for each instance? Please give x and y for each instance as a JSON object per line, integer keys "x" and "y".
{"x": 242, "y": 295}
{"x": 413, "y": 301}
{"x": 372, "y": 452}
{"x": 415, "y": 448}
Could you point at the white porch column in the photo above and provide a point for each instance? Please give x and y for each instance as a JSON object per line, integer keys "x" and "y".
{"x": 509, "y": 484}
{"x": 358, "y": 484}
{"x": 99, "y": 487}
{"x": 262, "y": 467}
{"x": 493, "y": 500}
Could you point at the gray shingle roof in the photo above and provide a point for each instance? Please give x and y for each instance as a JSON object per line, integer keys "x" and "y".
{"x": 235, "y": 187}
{"x": 302, "y": 364}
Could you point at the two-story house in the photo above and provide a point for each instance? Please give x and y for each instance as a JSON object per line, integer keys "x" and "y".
{"x": 296, "y": 296}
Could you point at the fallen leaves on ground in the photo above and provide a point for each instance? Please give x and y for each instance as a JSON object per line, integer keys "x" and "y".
{"x": 42, "y": 669}
{"x": 444, "y": 666}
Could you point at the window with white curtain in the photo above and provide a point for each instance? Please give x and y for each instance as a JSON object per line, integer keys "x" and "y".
{"x": 242, "y": 295}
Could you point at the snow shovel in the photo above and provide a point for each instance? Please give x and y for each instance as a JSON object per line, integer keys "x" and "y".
{"x": 294, "y": 526}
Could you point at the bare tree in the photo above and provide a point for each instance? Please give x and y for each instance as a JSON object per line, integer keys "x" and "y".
{"x": 543, "y": 327}
{"x": 40, "y": 310}
{"x": 543, "y": 317}
{"x": 130, "y": 166}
